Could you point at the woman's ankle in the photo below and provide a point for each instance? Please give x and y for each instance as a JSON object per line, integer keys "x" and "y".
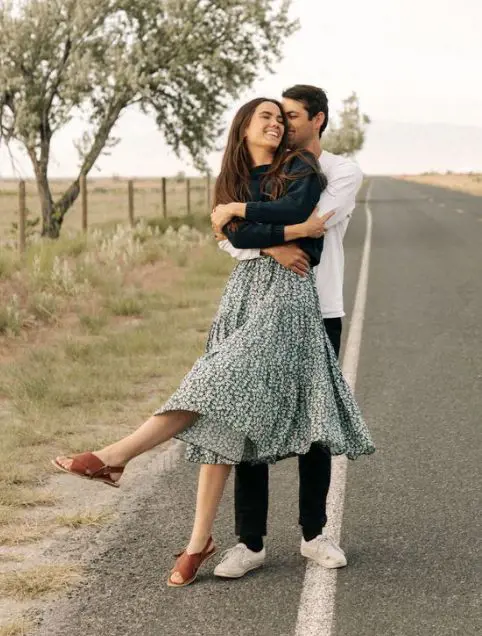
{"x": 109, "y": 458}
{"x": 197, "y": 544}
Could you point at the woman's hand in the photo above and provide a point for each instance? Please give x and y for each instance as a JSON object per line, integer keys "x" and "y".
{"x": 223, "y": 213}
{"x": 314, "y": 226}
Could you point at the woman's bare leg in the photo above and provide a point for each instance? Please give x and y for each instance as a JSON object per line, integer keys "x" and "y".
{"x": 211, "y": 483}
{"x": 156, "y": 430}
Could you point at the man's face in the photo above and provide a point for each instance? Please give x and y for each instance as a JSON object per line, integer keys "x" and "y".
{"x": 302, "y": 131}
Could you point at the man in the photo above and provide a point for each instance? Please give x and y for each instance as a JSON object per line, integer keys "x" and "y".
{"x": 307, "y": 111}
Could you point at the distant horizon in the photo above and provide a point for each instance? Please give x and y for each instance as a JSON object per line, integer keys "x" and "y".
{"x": 200, "y": 176}
{"x": 391, "y": 148}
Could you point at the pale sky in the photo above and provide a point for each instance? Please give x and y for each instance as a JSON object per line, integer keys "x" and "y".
{"x": 410, "y": 61}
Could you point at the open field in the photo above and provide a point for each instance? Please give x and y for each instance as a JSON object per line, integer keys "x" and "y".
{"x": 108, "y": 200}
{"x": 470, "y": 182}
{"x": 74, "y": 315}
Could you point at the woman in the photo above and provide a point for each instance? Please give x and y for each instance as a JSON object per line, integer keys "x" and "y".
{"x": 269, "y": 384}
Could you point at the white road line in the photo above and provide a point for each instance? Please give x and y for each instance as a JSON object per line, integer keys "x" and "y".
{"x": 442, "y": 205}
{"x": 459, "y": 211}
{"x": 317, "y": 602}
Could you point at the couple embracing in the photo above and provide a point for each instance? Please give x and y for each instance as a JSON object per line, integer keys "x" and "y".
{"x": 269, "y": 385}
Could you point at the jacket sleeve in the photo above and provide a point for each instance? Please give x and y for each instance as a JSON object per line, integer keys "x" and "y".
{"x": 245, "y": 234}
{"x": 296, "y": 205}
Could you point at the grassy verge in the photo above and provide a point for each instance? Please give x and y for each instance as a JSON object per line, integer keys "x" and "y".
{"x": 39, "y": 581}
{"x": 97, "y": 331}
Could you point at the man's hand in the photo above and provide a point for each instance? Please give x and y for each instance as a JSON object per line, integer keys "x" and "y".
{"x": 224, "y": 212}
{"x": 290, "y": 256}
{"x": 220, "y": 216}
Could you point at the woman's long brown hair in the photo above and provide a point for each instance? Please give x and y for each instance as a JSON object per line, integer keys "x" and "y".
{"x": 232, "y": 183}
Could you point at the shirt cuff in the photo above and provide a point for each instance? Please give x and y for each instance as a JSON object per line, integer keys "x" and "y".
{"x": 278, "y": 233}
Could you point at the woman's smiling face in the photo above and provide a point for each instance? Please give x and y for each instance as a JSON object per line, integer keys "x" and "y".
{"x": 266, "y": 127}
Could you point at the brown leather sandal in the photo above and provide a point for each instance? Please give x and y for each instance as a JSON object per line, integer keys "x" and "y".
{"x": 89, "y": 466}
{"x": 188, "y": 565}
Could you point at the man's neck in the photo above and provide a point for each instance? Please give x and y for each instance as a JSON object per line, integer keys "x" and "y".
{"x": 314, "y": 146}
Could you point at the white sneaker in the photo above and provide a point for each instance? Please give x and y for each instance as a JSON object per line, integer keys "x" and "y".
{"x": 323, "y": 551}
{"x": 239, "y": 560}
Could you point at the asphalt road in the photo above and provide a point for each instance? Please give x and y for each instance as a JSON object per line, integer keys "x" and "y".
{"x": 411, "y": 521}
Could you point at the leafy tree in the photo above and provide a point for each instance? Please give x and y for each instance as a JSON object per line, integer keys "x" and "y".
{"x": 347, "y": 136}
{"x": 180, "y": 60}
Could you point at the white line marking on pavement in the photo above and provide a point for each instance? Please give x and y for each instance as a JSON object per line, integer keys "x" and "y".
{"x": 459, "y": 211}
{"x": 442, "y": 205}
{"x": 317, "y": 602}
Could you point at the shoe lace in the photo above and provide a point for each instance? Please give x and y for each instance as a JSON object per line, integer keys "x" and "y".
{"x": 327, "y": 541}
{"x": 231, "y": 551}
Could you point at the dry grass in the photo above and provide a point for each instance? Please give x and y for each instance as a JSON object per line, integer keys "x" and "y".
{"x": 88, "y": 377}
{"x": 7, "y": 515}
{"x": 10, "y": 558}
{"x": 15, "y": 531}
{"x": 108, "y": 201}
{"x": 20, "y": 627}
{"x": 84, "y": 519}
{"x": 39, "y": 581}
{"x": 20, "y": 496}
{"x": 470, "y": 182}
{"x": 21, "y": 533}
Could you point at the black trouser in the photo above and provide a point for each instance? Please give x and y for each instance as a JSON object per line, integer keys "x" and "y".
{"x": 251, "y": 480}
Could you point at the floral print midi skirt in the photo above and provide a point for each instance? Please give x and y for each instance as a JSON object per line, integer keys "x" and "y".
{"x": 269, "y": 384}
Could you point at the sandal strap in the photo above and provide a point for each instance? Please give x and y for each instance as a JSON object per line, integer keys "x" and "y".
{"x": 188, "y": 564}
{"x": 90, "y": 465}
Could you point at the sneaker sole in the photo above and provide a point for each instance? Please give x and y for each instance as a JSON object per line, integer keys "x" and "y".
{"x": 238, "y": 576}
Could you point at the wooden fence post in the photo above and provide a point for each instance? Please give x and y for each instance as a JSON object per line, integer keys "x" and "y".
{"x": 164, "y": 198}
{"x": 83, "y": 198}
{"x": 188, "y": 196}
{"x": 130, "y": 192}
{"x": 22, "y": 216}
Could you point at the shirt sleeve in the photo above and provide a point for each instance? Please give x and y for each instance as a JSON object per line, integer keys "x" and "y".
{"x": 240, "y": 255}
{"x": 296, "y": 205}
{"x": 340, "y": 192}
{"x": 245, "y": 234}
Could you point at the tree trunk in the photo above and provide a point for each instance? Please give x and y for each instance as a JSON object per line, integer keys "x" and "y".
{"x": 51, "y": 219}
{"x": 61, "y": 207}
{"x": 53, "y": 212}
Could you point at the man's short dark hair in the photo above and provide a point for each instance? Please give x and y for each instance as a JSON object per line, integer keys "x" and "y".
{"x": 314, "y": 100}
